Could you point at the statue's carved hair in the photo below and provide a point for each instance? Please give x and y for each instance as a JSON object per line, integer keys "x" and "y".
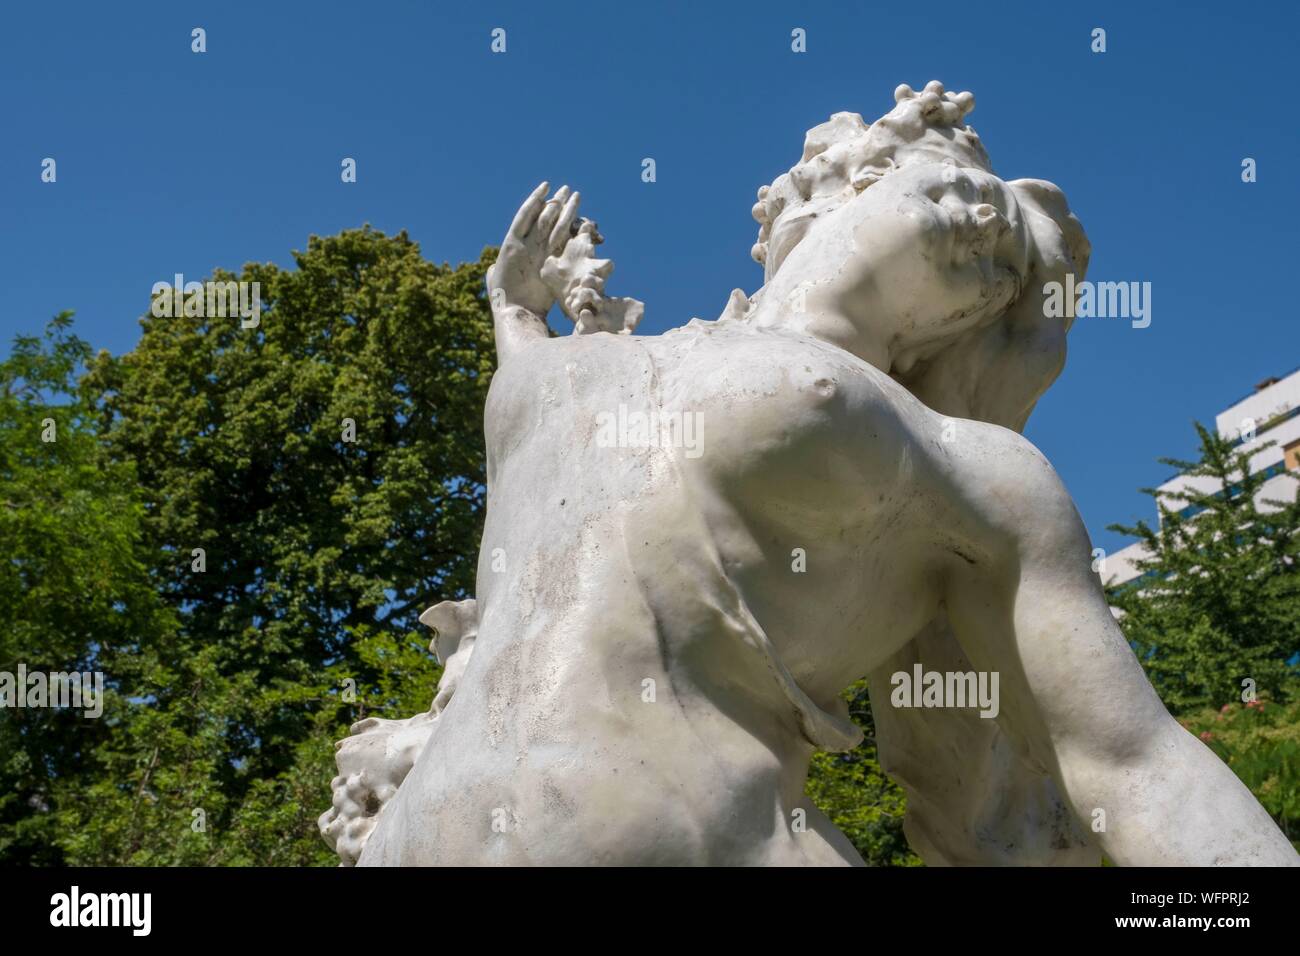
{"x": 844, "y": 156}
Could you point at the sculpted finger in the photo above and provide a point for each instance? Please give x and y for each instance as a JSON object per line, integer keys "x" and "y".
{"x": 547, "y": 219}
{"x": 562, "y": 231}
{"x": 527, "y": 213}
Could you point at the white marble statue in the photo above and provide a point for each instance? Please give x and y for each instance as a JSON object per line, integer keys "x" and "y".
{"x": 696, "y": 541}
{"x": 375, "y": 759}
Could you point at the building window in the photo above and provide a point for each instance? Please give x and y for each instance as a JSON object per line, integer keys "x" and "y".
{"x": 1291, "y": 455}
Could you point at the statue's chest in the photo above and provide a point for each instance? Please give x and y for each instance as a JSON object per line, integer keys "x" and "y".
{"x": 775, "y": 412}
{"x": 556, "y": 393}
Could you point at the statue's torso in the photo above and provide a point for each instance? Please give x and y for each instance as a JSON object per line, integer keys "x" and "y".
{"x": 675, "y": 603}
{"x": 798, "y": 476}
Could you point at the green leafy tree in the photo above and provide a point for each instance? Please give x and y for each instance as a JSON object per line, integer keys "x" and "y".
{"x": 74, "y": 592}
{"x": 1218, "y": 600}
{"x": 308, "y": 486}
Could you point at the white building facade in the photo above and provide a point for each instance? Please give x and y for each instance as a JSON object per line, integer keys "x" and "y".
{"x": 1271, "y": 413}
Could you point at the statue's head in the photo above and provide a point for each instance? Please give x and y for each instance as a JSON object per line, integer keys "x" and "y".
{"x": 935, "y": 263}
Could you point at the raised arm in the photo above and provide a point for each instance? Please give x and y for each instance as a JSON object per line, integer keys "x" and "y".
{"x": 519, "y": 298}
{"x": 548, "y": 255}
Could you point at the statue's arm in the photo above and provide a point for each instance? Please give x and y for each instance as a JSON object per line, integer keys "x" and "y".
{"x": 548, "y": 256}
{"x": 1074, "y": 700}
{"x": 518, "y": 296}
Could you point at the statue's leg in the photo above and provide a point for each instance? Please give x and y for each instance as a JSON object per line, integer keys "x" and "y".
{"x": 971, "y": 799}
{"x": 1024, "y": 602}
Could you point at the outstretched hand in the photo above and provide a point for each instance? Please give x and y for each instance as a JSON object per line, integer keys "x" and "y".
{"x": 540, "y": 229}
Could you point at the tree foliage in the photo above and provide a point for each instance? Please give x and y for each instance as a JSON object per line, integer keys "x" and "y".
{"x": 75, "y": 594}
{"x": 292, "y": 496}
{"x": 1218, "y": 600}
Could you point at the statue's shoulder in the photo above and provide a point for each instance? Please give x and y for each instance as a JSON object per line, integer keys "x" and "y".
{"x": 742, "y": 349}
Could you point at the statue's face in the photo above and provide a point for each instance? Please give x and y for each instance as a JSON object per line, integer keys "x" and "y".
{"x": 926, "y": 253}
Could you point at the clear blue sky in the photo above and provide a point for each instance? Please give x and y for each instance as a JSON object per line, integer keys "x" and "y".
{"x": 171, "y": 162}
